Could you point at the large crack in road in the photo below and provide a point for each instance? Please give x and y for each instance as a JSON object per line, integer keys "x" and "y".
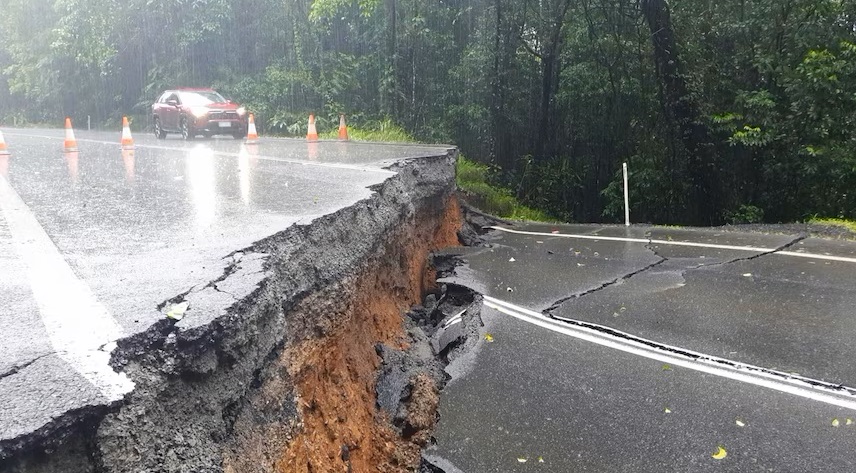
{"x": 274, "y": 365}
{"x": 636, "y": 272}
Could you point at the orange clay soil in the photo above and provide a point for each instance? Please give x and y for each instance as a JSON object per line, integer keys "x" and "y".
{"x": 342, "y": 430}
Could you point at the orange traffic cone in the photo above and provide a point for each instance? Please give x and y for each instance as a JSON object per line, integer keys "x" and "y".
{"x": 4, "y": 151}
{"x": 70, "y": 144}
{"x": 312, "y": 134}
{"x": 252, "y": 136}
{"x": 127, "y": 141}
{"x": 343, "y": 129}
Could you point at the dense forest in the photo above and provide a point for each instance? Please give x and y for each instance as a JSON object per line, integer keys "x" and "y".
{"x": 726, "y": 111}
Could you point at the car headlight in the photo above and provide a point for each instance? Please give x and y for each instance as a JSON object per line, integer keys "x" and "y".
{"x": 242, "y": 111}
{"x": 199, "y": 112}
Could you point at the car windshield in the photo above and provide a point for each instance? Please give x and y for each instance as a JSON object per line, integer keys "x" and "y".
{"x": 201, "y": 98}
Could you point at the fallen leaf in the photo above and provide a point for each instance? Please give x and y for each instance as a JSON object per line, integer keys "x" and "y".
{"x": 747, "y": 275}
{"x": 176, "y": 311}
{"x": 540, "y": 459}
{"x": 488, "y": 338}
{"x": 835, "y": 423}
{"x": 512, "y": 260}
{"x": 720, "y": 453}
{"x": 667, "y": 367}
{"x": 740, "y": 423}
{"x": 521, "y": 460}
{"x": 849, "y": 421}
{"x": 667, "y": 411}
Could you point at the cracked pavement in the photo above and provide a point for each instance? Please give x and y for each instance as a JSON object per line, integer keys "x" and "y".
{"x": 584, "y": 407}
{"x": 140, "y": 231}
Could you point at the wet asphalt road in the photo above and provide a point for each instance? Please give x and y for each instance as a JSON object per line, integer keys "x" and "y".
{"x": 91, "y": 243}
{"x": 535, "y": 399}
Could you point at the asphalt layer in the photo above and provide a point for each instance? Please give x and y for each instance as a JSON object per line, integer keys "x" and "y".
{"x": 580, "y": 406}
{"x": 94, "y": 245}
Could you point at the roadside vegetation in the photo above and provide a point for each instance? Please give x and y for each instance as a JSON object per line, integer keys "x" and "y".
{"x": 473, "y": 178}
{"x": 474, "y": 181}
{"x": 849, "y": 225}
{"x": 378, "y": 130}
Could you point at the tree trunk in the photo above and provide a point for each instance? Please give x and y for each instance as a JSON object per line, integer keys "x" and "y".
{"x": 544, "y": 144}
{"x": 683, "y": 116}
{"x": 389, "y": 92}
{"x": 545, "y": 136}
{"x": 498, "y": 149}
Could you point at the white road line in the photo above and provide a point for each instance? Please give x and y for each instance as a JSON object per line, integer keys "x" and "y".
{"x": 352, "y": 167}
{"x": 796, "y": 385}
{"x": 754, "y": 249}
{"x": 816, "y": 256}
{"x": 76, "y": 322}
{"x": 457, "y": 318}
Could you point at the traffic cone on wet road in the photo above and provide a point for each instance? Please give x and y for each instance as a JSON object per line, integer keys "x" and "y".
{"x": 312, "y": 134}
{"x": 70, "y": 144}
{"x": 252, "y": 136}
{"x": 127, "y": 141}
{"x": 343, "y": 129}
{"x": 4, "y": 151}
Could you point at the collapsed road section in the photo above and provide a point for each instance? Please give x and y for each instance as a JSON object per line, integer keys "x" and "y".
{"x": 297, "y": 358}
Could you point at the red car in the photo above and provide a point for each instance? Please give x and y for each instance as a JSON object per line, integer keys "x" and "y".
{"x": 193, "y": 112}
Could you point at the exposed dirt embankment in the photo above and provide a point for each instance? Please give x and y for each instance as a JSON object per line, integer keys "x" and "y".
{"x": 275, "y": 365}
{"x": 334, "y": 370}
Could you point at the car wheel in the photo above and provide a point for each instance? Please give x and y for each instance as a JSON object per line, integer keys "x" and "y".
{"x": 159, "y": 132}
{"x": 186, "y": 131}
{"x": 238, "y": 135}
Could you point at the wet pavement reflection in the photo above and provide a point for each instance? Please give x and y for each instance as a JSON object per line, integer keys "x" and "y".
{"x": 142, "y": 226}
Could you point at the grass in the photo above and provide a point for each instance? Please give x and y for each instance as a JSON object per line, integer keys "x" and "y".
{"x": 835, "y": 222}
{"x": 472, "y": 180}
{"x": 385, "y": 131}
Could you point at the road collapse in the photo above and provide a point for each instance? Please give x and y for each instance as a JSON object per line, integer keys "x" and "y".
{"x": 332, "y": 361}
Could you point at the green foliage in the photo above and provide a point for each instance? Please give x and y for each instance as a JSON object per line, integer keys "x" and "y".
{"x": 554, "y": 94}
{"x": 376, "y": 130}
{"x": 835, "y": 222}
{"x": 551, "y": 186}
{"x": 472, "y": 180}
{"x": 745, "y": 214}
